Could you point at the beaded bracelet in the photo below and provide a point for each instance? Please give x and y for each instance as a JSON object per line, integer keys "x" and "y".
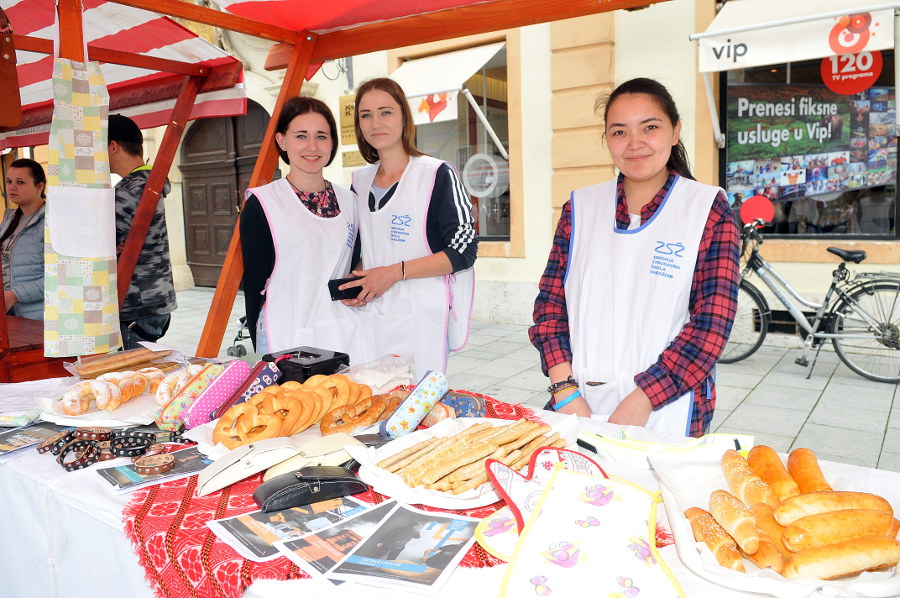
{"x": 561, "y": 385}
{"x": 567, "y": 400}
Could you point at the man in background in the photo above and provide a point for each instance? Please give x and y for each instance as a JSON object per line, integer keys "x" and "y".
{"x": 146, "y": 312}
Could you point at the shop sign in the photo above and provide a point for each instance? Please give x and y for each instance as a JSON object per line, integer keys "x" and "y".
{"x": 347, "y": 107}
{"x": 848, "y": 74}
{"x": 792, "y": 141}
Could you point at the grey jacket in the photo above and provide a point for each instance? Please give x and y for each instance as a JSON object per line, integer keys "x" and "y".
{"x": 26, "y": 265}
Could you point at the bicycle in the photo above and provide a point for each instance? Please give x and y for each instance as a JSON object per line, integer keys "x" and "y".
{"x": 860, "y": 313}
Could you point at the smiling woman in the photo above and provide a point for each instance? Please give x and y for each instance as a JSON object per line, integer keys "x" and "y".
{"x": 297, "y": 233}
{"x": 640, "y": 289}
{"x": 22, "y": 240}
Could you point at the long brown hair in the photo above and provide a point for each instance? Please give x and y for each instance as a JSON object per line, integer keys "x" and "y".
{"x": 408, "y": 138}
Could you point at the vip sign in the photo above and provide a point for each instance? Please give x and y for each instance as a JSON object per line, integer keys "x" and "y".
{"x": 795, "y": 42}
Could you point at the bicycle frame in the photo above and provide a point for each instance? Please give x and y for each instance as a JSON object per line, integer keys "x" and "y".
{"x": 778, "y": 285}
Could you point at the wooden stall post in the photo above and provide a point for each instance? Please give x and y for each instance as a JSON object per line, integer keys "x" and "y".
{"x": 137, "y": 234}
{"x": 233, "y": 268}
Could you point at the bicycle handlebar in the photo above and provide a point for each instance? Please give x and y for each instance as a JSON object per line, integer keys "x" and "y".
{"x": 751, "y": 231}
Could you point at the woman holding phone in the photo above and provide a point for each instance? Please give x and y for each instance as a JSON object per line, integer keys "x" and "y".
{"x": 297, "y": 233}
{"x": 417, "y": 236}
{"x": 640, "y": 290}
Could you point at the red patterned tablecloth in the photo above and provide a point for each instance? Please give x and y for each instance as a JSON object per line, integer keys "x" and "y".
{"x": 181, "y": 556}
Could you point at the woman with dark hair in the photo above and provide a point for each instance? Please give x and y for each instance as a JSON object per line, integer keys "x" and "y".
{"x": 22, "y": 240}
{"x": 417, "y": 237}
{"x": 297, "y": 233}
{"x": 640, "y": 290}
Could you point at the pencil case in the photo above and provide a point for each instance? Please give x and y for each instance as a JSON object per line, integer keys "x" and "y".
{"x": 218, "y": 392}
{"x": 262, "y": 375}
{"x": 171, "y": 415}
{"x": 416, "y": 405}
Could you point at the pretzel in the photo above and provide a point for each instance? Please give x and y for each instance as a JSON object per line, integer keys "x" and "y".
{"x": 242, "y": 424}
{"x": 341, "y": 386}
{"x": 364, "y": 413}
{"x": 287, "y": 408}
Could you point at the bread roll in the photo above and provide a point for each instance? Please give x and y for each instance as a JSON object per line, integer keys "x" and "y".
{"x": 712, "y": 534}
{"x": 765, "y": 521}
{"x": 845, "y": 558}
{"x": 834, "y": 527}
{"x": 804, "y": 468}
{"x": 823, "y": 502}
{"x": 767, "y": 556}
{"x": 895, "y": 528}
{"x": 743, "y": 483}
{"x": 736, "y": 518}
{"x": 766, "y": 463}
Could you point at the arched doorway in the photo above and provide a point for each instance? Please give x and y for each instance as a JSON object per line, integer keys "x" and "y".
{"x": 217, "y": 159}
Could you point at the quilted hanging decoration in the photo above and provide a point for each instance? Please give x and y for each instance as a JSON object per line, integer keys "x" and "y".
{"x": 81, "y": 315}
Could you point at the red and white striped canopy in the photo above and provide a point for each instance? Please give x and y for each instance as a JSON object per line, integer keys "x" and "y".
{"x": 145, "y": 95}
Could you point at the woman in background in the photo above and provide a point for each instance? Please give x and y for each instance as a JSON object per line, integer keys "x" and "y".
{"x": 297, "y": 233}
{"x": 640, "y": 290}
{"x": 22, "y": 240}
{"x": 417, "y": 235}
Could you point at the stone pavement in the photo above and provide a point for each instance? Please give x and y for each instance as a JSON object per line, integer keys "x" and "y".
{"x": 840, "y": 415}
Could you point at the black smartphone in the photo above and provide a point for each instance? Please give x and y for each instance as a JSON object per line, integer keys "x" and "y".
{"x": 337, "y": 294}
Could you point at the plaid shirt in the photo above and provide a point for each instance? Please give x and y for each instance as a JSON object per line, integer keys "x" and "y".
{"x": 688, "y": 363}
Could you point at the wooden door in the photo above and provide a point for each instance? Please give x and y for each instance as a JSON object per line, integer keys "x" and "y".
{"x": 217, "y": 159}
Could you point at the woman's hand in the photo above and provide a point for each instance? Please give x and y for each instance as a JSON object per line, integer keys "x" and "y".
{"x": 374, "y": 282}
{"x": 10, "y": 298}
{"x": 634, "y": 410}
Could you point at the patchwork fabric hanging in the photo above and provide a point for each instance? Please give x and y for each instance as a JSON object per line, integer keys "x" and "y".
{"x": 81, "y": 314}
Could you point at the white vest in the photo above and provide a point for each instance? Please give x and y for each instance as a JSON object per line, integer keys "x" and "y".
{"x": 423, "y": 317}
{"x": 628, "y": 292}
{"x": 309, "y": 251}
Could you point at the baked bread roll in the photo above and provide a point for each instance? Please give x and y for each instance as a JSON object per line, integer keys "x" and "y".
{"x": 766, "y": 463}
{"x": 743, "y": 483}
{"x": 823, "y": 502}
{"x": 845, "y": 558}
{"x": 804, "y": 468}
{"x": 767, "y": 555}
{"x": 736, "y": 518}
{"x": 712, "y": 534}
{"x": 838, "y": 526}
{"x": 765, "y": 521}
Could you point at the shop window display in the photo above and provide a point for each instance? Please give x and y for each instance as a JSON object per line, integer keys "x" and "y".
{"x": 827, "y": 161}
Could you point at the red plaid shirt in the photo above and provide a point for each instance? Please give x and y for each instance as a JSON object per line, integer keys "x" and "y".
{"x": 688, "y": 363}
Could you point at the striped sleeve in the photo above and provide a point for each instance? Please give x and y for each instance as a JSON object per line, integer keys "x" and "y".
{"x": 451, "y": 226}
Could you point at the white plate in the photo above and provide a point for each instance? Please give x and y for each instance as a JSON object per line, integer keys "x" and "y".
{"x": 687, "y": 484}
{"x": 392, "y": 485}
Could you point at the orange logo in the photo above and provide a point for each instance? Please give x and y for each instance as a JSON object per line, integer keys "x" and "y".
{"x": 851, "y": 33}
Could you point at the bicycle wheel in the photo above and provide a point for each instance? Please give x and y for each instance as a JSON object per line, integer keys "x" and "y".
{"x": 870, "y": 351}
{"x": 751, "y": 323}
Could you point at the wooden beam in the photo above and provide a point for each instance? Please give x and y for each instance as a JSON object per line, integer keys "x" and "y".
{"x": 137, "y": 234}
{"x": 233, "y": 268}
{"x": 216, "y": 18}
{"x": 71, "y": 43}
{"x": 447, "y": 24}
{"x": 5, "y": 365}
{"x": 45, "y": 46}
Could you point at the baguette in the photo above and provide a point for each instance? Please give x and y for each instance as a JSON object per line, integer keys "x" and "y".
{"x": 743, "y": 483}
{"x": 765, "y": 521}
{"x": 804, "y": 468}
{"x": 712, "y": 534}
{"x": 768, "y": 466}
{"x": 94, "y": 366}
{"x": 845, "y": 558}
{"x": 823, "y": 502}
{"x": 838, "y": 526}
{"x": 736, "y": 518}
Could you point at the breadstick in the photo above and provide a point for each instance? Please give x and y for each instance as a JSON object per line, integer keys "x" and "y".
{"x": 472, "y": 469}
{"x": 743, "y": 483}
{"x": 386, "y": 463}
{"x": 845, "y": 558}
{"x": 440, "y": 469}
{"x": 767, "y": 465}
{"x": 531, "y": 447}
{"x": 427, "y": 458}
{"x": 831, "y": 528}
{"x": 822, "y": 502}
{"x": 515, "y": 431}
{"x": 712, "y": 534}
{"x": 804, "y": 468}
{"x": 527, "y": 437}
{"x": 736, "y": 518}
{"x": 765, "y": 521}
{"x": 480, "y": 478}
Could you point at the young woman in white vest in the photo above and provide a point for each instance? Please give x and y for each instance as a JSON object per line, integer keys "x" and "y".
{"x": 417, "y": 236}
{"x": 639, "y": 294}
{"x": 297, "y": 233}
